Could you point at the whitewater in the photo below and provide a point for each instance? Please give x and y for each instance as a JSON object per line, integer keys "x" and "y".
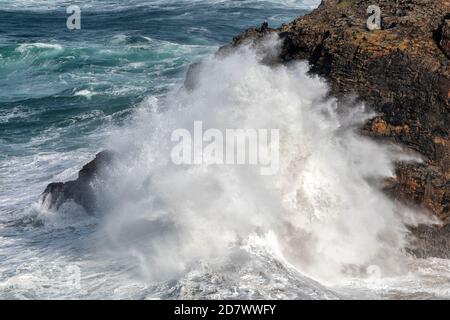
{"x": 320, "y": 228}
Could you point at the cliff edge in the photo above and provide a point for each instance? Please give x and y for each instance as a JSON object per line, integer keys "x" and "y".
{"x": 402, "y": 71}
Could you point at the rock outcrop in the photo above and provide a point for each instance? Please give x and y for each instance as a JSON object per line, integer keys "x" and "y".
{"x": 81, "y": 190}
{"x": 402, "y": 71}
{"x": 430, "y": 241}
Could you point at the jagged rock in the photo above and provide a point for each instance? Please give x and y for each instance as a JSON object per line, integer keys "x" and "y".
{"x": 401, "y": 71}
{"x": 443, "y": 36}
{"x": 190, "y": 81}
{"x": 424, "y": 185}
{"x": 430, "y": 241}
{"x": 249, "y": 36}
{"x": 81, "y": 190}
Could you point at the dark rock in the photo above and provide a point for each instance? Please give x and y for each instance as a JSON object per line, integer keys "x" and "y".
{"x": 250, "y": 36}
{"x": 431, "y": 241}
{"x": 190, "y": 81}
{"x": 81, "y": 190}
{"x": 443, "y": 36}
{"x": 422, "y": 185}
{"x": 264, "y": 28}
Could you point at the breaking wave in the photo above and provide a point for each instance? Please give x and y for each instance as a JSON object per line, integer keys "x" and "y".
{"x": 322, "y": 213}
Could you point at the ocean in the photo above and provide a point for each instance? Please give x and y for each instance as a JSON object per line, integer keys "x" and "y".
{"x": 317, "y": 230}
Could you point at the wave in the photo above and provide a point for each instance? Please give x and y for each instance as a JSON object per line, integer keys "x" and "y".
{"x": 322, "y": 212}
{"x": 26, "y": 47}
{"x": 132, "y": 61}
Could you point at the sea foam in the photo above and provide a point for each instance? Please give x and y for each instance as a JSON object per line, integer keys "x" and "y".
{"x": 324, "y": 211}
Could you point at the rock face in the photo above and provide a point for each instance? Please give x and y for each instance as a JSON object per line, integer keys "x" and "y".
{"x": 443, "y": 36}
{"x": 81, "y": 190}
{"x": 431, "y": 241}
{"x": 402, "y": 71}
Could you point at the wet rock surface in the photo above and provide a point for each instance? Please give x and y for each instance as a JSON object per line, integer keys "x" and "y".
{"x": 81, "y": 190}
{"x": 430, "y": 241}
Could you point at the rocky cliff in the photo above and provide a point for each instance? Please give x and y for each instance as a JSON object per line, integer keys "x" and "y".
{"x": 402, "y": 71}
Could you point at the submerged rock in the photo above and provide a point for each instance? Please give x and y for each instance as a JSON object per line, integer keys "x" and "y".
{"x": 81, "y": 190}
{"x": 190, "y": 81}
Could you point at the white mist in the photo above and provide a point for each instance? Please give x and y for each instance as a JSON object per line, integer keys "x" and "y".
{"x": 319, "y": 213}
